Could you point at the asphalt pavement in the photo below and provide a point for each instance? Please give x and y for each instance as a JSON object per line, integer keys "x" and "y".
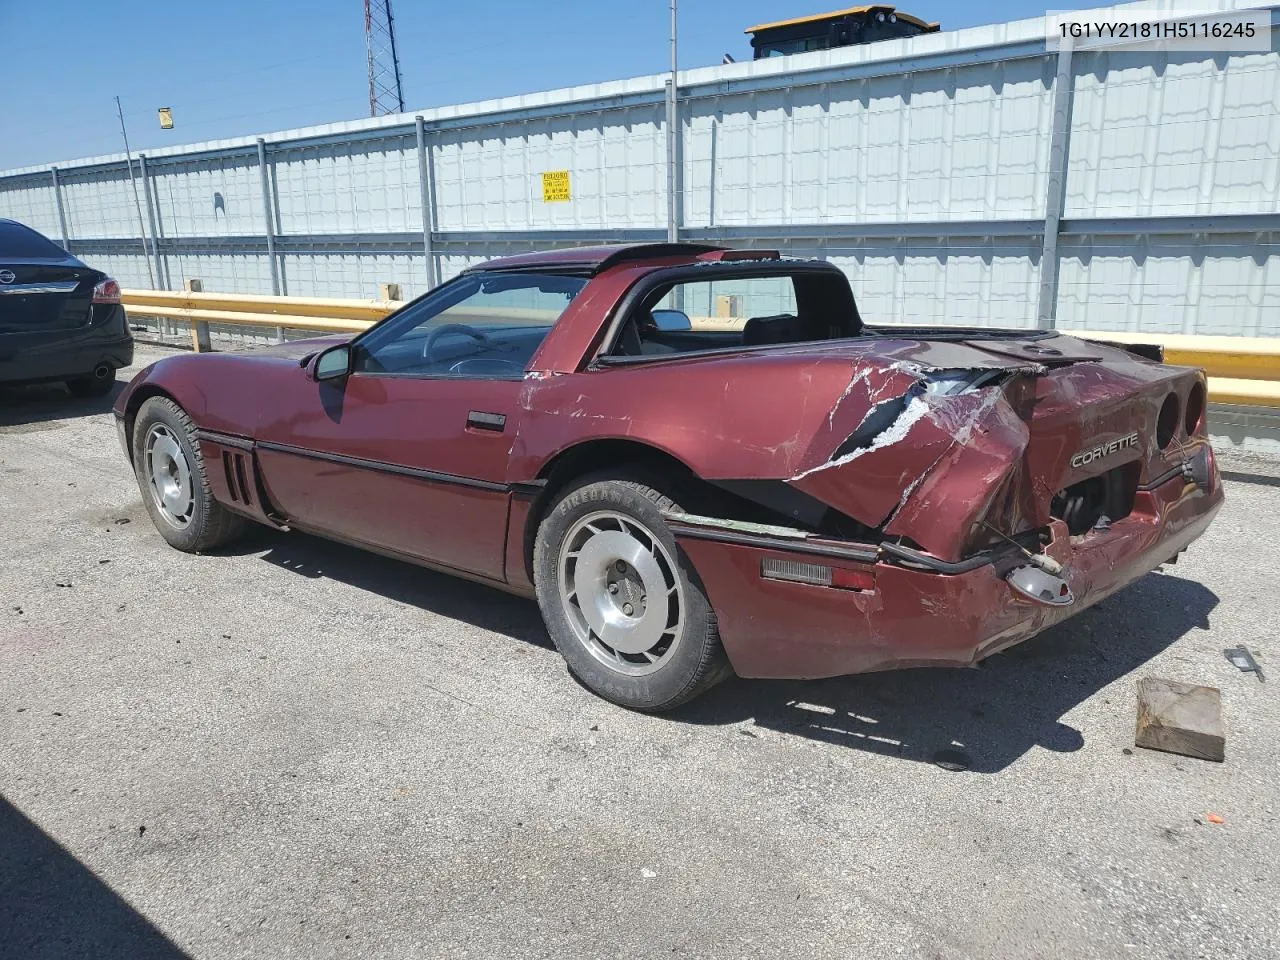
{"x": 294, "y": 749}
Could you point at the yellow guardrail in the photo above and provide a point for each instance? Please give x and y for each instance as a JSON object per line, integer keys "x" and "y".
{"x": 1241, "y": 370}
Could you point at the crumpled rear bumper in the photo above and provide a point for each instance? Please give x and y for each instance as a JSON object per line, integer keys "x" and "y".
{"x": 914, "y": 617}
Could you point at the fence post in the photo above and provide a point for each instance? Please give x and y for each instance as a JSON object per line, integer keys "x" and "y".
{"x": 145, "y": 177}
{"x": 673, "y": 208}
{"x": 199, "y": 328}
{"x": 388, "y": 291}
{"x": 1056, "y": 189}
{"x": 426, "y": 191}
{"x": 62, "y": 213}
{"x": 271, "y": 233}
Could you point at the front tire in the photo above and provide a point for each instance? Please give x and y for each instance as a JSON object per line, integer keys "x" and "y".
{"x": 620, "y": 601}
{"x": 175, "y": 487}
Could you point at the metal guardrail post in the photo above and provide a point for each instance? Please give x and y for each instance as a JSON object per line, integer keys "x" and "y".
{"x": 1056, "y": 189}
{"x": 200, "y": 342}
{"x": 269, "y": 220}
{"x": 62, "y": 213}
{"x": 426, "y": 191}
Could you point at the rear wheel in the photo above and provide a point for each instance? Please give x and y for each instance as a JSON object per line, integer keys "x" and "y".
{"x": 620, "y": 601}
{"x": 172, "y": 478}
{"x": 96, "y": 384}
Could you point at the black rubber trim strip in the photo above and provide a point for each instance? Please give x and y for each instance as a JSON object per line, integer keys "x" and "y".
{"x": 1162, "y": 479}
{"x": 862, "y": 554}
{"x": 380, "y": 467}
{"x": 528, "y": 489}
{"x": 867, "y": 554}
{"x": 943, "y": 566}
{"x": 226, "y": 439}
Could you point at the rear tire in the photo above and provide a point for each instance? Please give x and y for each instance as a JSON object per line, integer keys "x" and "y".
{"x": 622, "y": 604}
{"x": 97, "y": 384}
{"x": 175, "y": 487}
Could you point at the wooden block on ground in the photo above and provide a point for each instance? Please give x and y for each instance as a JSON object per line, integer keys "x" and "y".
{"x": 1180, "y": 718}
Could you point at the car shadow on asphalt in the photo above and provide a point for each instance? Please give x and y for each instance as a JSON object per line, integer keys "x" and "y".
{"x": 31, "y": 409}
{"x": 993, "y": 714}
{"x": 53, "y": 906}
{"x": 449, "y": 596}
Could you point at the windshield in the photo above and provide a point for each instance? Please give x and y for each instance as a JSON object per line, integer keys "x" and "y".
{"x": 479, "y": 325}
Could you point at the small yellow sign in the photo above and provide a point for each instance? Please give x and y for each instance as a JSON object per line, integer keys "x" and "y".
{"x": 166, "y": 118}
{"x": 555, "y": 186}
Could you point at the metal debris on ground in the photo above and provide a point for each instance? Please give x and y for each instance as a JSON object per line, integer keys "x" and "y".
{"x": 955, "y": 761}
{"x": 1244, "y": 661}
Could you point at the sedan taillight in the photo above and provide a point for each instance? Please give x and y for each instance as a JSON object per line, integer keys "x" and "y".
{"x": 108, "y": 291}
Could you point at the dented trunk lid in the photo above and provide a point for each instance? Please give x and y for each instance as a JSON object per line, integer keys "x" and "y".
{"x": 951, "y": 470}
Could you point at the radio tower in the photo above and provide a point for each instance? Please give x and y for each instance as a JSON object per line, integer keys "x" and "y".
{"x": 385, "y": 93}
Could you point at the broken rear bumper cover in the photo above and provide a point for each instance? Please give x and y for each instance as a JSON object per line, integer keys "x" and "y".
{"x": 916, "y": 614}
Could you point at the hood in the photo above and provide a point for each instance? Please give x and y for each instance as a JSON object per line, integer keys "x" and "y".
{"x": 297, "y": 349}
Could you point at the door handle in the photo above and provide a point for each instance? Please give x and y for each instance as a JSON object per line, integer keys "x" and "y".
{"x": 479, "y": 420}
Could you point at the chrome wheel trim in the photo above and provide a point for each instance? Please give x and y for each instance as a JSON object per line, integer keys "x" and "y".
{"x": 168, "y": 475}
{"x": 621, "y": 592}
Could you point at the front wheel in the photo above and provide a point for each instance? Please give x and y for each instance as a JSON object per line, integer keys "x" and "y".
{"x": 172, "y": 478}
{"x": 622, "y": 606}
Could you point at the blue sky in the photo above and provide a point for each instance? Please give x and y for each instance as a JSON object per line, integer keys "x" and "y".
{"x": 235, "y": 67}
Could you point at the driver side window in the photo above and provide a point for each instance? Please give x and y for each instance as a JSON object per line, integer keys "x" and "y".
{"x": 481, "y": 325}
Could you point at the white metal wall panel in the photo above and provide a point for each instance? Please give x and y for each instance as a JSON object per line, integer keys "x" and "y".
{"x": 129, "y": 270}
{"x": 1174, "y": 135}
{"x": 348, "y": 187}
{"x": 206, "y": 198}
{"x": 968, "y": 143}
{"x": 220, "y": 272}
{"x": 942, "y": 284}
{"x": 351, "y": 274}
{"x": 1173, "y": 286}
{"x": 100, "y": 205}
{"x": 32, "y": 202}
{"x": 490, "y": 177}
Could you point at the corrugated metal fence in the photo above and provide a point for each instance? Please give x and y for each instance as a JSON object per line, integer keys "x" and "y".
{"x": 966, "y": 177}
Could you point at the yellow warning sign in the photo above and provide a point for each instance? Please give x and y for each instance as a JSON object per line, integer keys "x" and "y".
{"x": 555, "y": 186}
{"x": 166, "y": 118}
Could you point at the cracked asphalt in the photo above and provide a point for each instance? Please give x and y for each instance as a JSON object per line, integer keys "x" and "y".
{"x": 293, "y": 749}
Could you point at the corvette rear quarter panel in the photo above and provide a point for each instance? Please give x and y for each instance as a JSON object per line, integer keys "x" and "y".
{"x": 764, "y": 415}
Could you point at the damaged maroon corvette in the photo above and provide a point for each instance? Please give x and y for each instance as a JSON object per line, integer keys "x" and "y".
{"x": 700, "y": 461}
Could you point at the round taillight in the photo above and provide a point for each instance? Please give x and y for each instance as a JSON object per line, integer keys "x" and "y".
{"x": 1167, "y": 425}
{"x": 1194, "y": 416}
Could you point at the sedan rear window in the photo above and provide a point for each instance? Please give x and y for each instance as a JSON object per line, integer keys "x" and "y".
{"x": 19, "y": 242}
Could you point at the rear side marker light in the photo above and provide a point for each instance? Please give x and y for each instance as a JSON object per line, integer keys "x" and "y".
{"x": 108, "y": 291}
{"x": 1040, "y": 586}
{"x": 816, "y": 574}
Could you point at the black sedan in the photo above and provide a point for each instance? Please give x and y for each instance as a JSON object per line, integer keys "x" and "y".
{"x": 59, "y": 318}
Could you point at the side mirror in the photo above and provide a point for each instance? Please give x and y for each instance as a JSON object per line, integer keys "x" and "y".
{"x": 671, "y": 321}
{"x": 331, "y": 364}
